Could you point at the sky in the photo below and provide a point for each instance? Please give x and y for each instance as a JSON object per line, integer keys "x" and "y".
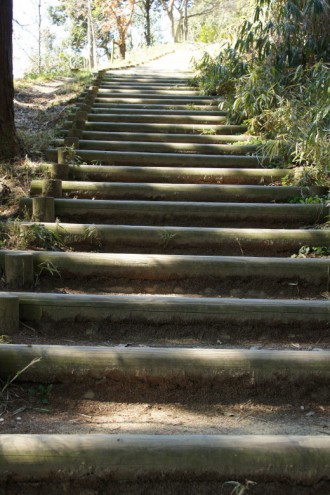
{"x": 26, "y": 31}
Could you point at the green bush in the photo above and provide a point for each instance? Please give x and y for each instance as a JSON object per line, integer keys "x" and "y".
{"x": 276, "y": 78}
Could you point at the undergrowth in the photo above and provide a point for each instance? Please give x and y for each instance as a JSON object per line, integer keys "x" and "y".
{"x": 275, "y": 75}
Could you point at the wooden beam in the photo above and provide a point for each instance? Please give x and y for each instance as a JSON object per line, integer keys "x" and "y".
{"x": 60, "y": 362}
{"x": 194, "y": 457}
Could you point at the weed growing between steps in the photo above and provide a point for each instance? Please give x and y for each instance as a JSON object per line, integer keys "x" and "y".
{"x": 8, "y": 390}
{"x": 37, "y": 236}
{"x": 15, "y": 181}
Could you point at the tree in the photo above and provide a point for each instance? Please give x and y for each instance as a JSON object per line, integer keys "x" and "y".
{"x": 87, "y": 26}
{"x": 118, "y": 18}
{"x": 180, "y": 11}
{"x": 146, "y": 8}
{"x": 9, "y": 143}
{"x": 213, "y": 20}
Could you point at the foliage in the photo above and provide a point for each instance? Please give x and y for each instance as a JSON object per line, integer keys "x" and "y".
{"x": 218, "y": 75}
{"x": 239, "y": 488}
{"x": 310, "y": 200}
{"x": 34, "y": 236}
{"x": 87, "y": 25}
{"x": 42, "y": 392}
{"x": 117, "y": 19}
{"x": 312, "y": 251}
{"x": 211, "y": 21}
{"x": 276, "y": 77}
{"x": 18, "y": 374}
{"x": 146, "y": 14}
{"x": 46, "y": 268}
{"x": 305, "y": 176}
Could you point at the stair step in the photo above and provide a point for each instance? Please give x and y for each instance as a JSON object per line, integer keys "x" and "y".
{"x": 158, "y": 106}
{"x": 203, "y": 114}
{"x": 194, "y": 240}
{"x": 164, "y": 138}
{"x": 176, "y": 174}
{"x": 61, "y": 362}
{"x": 187, "y": 213}
{"x": 163, "y": 159}
{"x": 149, "y": 99}
{"x": 158, "y": 118}
{"x": 147, "y": 90}
{"x": 159, "y": 147}
{"x": 176, "y": 457}
{"x": 156, "y": 128}
{"x": 144, "y": 79}
{"x": 173, "y": 267}
{"x": 183, "y": 192}
{"x": 141, "y": 86}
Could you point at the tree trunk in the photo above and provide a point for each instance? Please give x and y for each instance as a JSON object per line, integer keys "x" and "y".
{"x": 39, "y": 37}
{"x": 185, "y": 24}
{"x": 93, "y": 48}
{"x": 122, "y": 49}
{"x": 9, "y": 143}
{"x": 147, "y": 32}
{"x": 172, "y": 21}
{"x": 90, "y": 39}
{"x": 169, "y": 9}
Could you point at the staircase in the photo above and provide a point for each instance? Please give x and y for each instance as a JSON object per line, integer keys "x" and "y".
{"x": 166, "y": 258}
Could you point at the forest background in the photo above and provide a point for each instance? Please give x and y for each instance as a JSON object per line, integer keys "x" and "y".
{"x": 268, "y": 60}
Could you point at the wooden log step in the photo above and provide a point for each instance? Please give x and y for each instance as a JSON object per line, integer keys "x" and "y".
{"x": 164, "y": 138}
{"x": 177, "y": 175}
{"x": 178, "y": 88}
{"x": 187, "y": 213}
{"x": 158, "y": 106}
{"x": 163, "y": 159}
{"x": 123, "y": 82}
{"x": 183, "y": 192}
{"x": 58, "y": 362}
{"x": 147, "y": 99}
{"x": 155, "y": 128}
{"x": 139, "y": 78}
{"x": 157, "y": 83}
{"x": 147, "y": 90}
{"x": 158, "y": 118}
{"x": 159, "y": 147}
{"x": 168, "y": 80}
{"x": 151, "y": 111}
{"x": 171, "y": 267}
{"x": 185, "y": 99}
{"x": 176, "y": 457}
{"x": 195, "y": 240}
